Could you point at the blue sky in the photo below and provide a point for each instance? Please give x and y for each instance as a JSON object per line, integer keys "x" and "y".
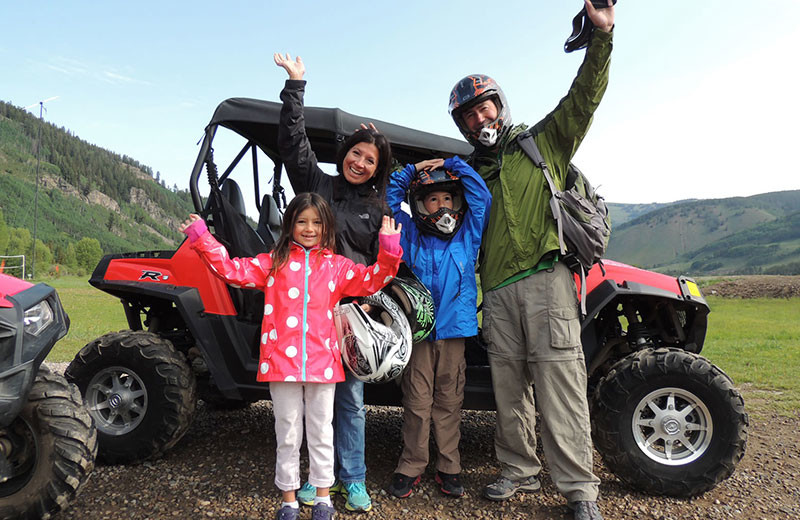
{"x": 702, "y": 101}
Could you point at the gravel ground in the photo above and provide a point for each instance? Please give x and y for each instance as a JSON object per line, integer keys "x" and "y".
{"x": 224, "y": 467}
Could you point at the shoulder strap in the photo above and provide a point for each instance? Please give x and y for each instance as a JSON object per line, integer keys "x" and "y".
{"x": 528, "y": 145}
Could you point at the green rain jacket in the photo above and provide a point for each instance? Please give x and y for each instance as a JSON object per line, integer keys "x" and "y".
{"x": 521, "y": 228}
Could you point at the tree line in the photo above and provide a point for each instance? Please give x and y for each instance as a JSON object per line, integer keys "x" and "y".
{"x": 79, "y": 257}
{"x": 72, "y": 233}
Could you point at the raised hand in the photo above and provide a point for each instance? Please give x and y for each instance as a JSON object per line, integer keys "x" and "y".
{"x": 370, "y": 127}
{"x": 389, "y": 226}
{"x": 188, "y": 222}
{"x": 430, "y": 164}
{"x": 296, "y": 68}
{"x": 603, "y": 18}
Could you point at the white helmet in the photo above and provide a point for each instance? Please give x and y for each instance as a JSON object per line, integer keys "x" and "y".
{"x": 376, "y": 347}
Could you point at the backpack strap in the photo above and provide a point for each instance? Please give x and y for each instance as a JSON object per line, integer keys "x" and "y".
{"x": 528, "y": 145}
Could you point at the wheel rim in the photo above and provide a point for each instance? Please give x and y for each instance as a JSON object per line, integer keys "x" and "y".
{"x": 21, "y": 447}
{"x": 672, "y": 426}
{"x": 117, "y": 399}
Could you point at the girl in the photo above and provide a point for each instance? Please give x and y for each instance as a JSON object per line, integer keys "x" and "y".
{"x": 299, "y": 354}
{"x": 356, "y": 198}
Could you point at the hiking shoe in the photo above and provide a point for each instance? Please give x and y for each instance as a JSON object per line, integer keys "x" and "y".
{"x": 402, "y": 486}
{"x": 586, "y": 510}
{"x": 503, "y": 488}
{"x": 287, "y": 513}
{"x": 306, "y": 494}
{"x": 450, "y": 484}
{"x": 322, "y": 511}
{"x": 356, "y": 494}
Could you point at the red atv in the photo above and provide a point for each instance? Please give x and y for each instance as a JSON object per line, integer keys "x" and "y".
{"x": 47, "y": 440}
{"x": 666, "y": 420}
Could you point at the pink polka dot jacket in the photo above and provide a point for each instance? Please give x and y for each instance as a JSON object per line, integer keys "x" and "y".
{"x": 298, "y": 334}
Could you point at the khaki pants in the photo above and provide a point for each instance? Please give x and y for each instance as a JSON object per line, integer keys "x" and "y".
{"x": 433, "y": 391}
{"x": 533, "y": 331}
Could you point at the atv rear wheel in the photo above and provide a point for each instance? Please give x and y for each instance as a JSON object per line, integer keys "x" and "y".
{"x": 669, "y": 422}
{"x": 140, "y": 392}
{"x": 51, "y": 447}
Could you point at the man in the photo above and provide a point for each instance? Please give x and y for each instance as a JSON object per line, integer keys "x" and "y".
{"x": 530, "y": 308}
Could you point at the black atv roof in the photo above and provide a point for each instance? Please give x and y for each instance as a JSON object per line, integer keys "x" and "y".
{"x": 257, "y": 120}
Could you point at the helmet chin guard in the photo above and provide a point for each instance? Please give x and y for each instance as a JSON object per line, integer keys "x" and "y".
{"x": 487, "y": 136}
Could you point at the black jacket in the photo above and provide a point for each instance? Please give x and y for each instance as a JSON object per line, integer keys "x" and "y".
{"x": 357, "y": 208}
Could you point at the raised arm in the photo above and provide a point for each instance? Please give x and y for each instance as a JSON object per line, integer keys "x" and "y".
{"x": 567, "y": 125}
{"x": 362, "y": 280}
{"x": 293, "y": 144}
{"x": 239, "y": 272}
{"x": 396, "y": 193}
{"x": 478, "y": 198}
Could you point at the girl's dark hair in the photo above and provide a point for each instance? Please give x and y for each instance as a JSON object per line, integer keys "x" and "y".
{"x": 363, "y": 135}
{"x": 303, "y": 201}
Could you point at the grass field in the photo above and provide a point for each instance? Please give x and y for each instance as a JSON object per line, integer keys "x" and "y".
{"x": 757, "y": 342}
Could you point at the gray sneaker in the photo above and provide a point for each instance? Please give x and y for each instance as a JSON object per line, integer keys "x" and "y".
{"x": 585, "y": 510}
{"x": 503, "y": 488}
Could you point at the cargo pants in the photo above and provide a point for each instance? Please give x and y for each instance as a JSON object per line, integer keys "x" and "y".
{"x": 433, "y": 392}
{"x": 532, "y": 327}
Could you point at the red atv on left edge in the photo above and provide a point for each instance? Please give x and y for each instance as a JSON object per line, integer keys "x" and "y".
{"x": 48, "y": 441}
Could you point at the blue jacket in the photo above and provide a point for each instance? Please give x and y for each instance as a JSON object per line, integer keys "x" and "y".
{"x": 446, "y": 267}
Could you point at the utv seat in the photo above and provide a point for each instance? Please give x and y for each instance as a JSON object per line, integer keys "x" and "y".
{"x": 231, "y": 191}
{"x": 269, "y": 221}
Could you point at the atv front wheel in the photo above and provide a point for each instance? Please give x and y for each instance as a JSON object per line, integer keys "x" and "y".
{"x": 51, "y": 447}
{"x": 140, "y": 392}
{"x": 669, "y": 422}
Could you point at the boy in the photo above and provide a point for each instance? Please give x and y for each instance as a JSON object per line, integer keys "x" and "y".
{"x": 449, "y": 208}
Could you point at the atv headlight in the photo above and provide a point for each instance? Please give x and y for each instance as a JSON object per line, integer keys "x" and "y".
{"x": 37, "y": 318}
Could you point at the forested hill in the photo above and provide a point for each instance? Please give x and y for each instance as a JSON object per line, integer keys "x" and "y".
{"x": 738, "y": 235}
{"x": 85, "y": 192}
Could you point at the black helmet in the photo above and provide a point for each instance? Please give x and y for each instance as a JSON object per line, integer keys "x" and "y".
{"x": 474, "y": 89}
{"x": 416, "y": 301}
{"x": 444, "y": 222}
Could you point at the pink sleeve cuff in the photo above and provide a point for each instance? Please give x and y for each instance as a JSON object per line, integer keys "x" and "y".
{"x": 195, "y": 230}
{"x": 390, "y": 243}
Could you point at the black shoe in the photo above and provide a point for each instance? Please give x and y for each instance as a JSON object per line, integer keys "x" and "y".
{"x": 402, "y": 486}
{"x": 586, "y": 510}
{"x": 450, "y": 484}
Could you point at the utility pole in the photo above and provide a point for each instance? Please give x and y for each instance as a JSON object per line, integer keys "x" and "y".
{"x": 36, "y": 193}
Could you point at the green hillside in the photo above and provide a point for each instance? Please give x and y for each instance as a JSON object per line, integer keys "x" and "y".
{"x": 771, "y": 248}
{"x": 669, "y": 238}
{"x": 621, "y": 213}
{"x": 85, "y": 192}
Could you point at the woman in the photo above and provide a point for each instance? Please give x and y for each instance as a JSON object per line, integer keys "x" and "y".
{"x": 356, "y": 197}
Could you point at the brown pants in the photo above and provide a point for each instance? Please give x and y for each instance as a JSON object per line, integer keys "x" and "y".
{"x": 533, "y": 331}
{"x": 433, "y": 390}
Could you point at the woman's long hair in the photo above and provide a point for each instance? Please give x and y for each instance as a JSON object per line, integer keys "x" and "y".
{"x": 380, "y": 141}
{"x": 303, "y": 201}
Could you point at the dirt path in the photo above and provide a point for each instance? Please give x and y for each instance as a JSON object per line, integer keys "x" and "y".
{"x": 223, "y": 468}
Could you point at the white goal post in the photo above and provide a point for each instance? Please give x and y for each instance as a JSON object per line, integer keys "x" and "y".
{"x": 13, "y": 265}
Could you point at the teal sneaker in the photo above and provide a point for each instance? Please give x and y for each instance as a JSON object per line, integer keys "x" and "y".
{"x": 356, "y": 493}
{"x": 306, "y": 494}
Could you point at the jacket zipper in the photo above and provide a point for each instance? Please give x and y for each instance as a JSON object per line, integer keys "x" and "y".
{"x": 305, "y": 311}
